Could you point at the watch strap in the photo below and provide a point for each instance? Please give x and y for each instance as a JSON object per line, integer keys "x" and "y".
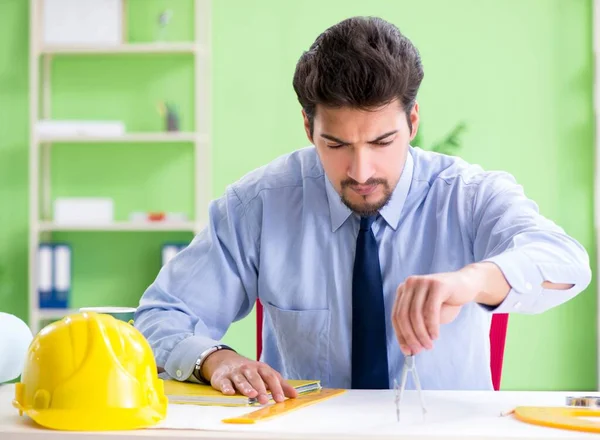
{"x": 202, "y": 358}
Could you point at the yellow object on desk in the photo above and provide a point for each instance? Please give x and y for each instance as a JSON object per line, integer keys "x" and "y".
{"x": 200, "y": 394}
{"x": 90, "y": 372}
{"x": 559, "y": 417}
{"x": 280, "y": 408}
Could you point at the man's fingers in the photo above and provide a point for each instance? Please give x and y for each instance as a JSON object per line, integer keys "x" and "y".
{"x": 431, "y": 311}
{"x": 251, "y": 378}
{"x": 396, "y": 319}
{"x": 224, "y": 385}
{"x": 288, "y": 390}
{"x": 411, "y": 342}
{"x": 273, "y": 382}
{"x": 250, "y": 371}
{"x": 417, "y": 320}
{"x": 242, "y": 384}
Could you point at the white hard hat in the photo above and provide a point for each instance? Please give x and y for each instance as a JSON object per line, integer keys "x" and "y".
{"x": 15, "y": 337}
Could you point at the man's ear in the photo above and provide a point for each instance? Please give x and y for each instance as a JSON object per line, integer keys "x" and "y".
{"x": 307, "y": 127}
{"x": 414, "y": 120}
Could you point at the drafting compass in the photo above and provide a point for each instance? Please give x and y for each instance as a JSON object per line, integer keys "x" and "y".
{"x": 409, "y": 365}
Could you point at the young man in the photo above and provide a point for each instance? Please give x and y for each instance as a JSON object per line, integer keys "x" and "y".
{"x": 361, "y": 248}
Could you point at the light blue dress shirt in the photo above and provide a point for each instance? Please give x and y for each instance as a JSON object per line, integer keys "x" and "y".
{"x": 282, "y": 234}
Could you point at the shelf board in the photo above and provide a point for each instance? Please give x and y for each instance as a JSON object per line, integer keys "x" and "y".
{"x": 120, "y": 226}
{"x": 54, "y": 313}
{"x": 125, "y": 48}
{"x": 127, "y": 138}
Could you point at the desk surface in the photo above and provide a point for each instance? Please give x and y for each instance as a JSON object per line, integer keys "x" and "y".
{"x": 354, "y": 414}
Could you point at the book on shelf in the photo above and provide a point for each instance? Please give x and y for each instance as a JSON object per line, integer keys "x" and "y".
{"x": 201, "y": 394}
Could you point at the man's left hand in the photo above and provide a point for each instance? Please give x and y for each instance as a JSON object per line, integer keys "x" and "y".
{"x": 425, "y": 302}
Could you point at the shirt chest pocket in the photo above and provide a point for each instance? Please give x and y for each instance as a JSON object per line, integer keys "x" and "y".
{"x": 302, "y": 338}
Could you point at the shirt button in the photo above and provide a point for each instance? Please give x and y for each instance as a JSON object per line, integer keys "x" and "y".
{"x": 178, "y": 373}
{"x": 528, "y": 286}
{"x": 518, "y": 305}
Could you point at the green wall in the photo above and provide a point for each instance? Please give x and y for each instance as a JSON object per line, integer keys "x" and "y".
{"x": 519, "y": 73}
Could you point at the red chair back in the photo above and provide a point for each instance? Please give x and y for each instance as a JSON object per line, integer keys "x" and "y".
{"x": 497, "y": 341}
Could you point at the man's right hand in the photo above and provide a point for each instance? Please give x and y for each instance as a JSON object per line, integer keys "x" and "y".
{"x": 229, "y": 371}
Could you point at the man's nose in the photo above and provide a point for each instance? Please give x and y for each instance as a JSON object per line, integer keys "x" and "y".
{"x": 361, "y": 167}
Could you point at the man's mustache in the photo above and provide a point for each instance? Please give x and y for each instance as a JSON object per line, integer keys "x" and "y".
{"x": 373, "y": 181}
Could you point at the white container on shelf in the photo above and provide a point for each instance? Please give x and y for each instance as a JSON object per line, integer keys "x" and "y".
{"x": 83, "y": 210}
{"x": 49, "y": 128}
{"x": 82, "y": 22}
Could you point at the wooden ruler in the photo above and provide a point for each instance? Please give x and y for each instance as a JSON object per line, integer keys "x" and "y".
{"x": 286, "y": 406}
{"x": 559, "y": 417}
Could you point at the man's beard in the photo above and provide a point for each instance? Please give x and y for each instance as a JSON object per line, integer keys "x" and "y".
{"x": 367, "y": 209}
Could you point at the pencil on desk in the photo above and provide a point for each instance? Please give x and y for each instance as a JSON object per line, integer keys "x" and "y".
{"x": 507, "y": 413}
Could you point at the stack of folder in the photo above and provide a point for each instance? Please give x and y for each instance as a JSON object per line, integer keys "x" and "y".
{"x": 199, "y": 394}
{"x": 54, "y": 274}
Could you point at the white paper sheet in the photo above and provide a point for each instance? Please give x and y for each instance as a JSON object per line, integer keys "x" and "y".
{"x": 363, "y": 413}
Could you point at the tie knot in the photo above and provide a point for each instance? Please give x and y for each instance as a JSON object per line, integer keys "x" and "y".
{"x": 366, "y": 222}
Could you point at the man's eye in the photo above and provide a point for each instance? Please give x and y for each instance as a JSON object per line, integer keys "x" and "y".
{"x": 383, "y": 143}
{"x": 335, "y": 146}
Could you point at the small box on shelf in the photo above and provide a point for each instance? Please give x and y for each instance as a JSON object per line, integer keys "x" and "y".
{"x": 82, "y": 22}
{"x": 83, "y": 210}
{"x": 158, "y": 216}
{"x": 48, "y": 128}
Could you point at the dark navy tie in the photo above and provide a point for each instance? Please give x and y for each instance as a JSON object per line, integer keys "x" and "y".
{"x": 369, "y": 349}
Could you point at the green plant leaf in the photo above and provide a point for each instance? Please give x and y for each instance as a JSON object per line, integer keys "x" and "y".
{"x": 451, "y": 143}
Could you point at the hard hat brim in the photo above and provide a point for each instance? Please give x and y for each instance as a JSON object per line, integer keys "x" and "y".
{"x": 107, "y": 419}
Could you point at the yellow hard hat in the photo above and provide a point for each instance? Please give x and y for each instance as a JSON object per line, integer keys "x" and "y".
{"x": 91, "y": 372}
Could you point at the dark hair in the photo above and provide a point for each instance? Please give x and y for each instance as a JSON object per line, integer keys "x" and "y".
{"x": 361, "y": 62}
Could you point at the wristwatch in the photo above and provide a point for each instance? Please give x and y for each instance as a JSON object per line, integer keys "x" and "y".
{"x": 205, "y": 354}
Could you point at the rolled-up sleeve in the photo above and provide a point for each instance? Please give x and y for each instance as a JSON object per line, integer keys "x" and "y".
{"x": 528, "y": 248}
{"x": 202, "y": 290}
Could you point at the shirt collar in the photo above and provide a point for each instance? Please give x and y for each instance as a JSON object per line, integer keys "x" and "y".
{"x": 339, "y": 212}
{"x": 391, "y": 212}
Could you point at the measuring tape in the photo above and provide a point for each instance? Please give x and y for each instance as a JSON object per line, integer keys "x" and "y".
{"x": 559, "y": 417}
{"x": 286, "y": 406}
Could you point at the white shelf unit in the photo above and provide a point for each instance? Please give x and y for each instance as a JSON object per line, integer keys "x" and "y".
{"x": 41, "y": 225}
{"x": 596, "y": 104}
{"x": 128, "y": 138}
{"x": 54, "y": 313}
{"x": 48, "y": 226}
{"x": 125, "y": 48}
